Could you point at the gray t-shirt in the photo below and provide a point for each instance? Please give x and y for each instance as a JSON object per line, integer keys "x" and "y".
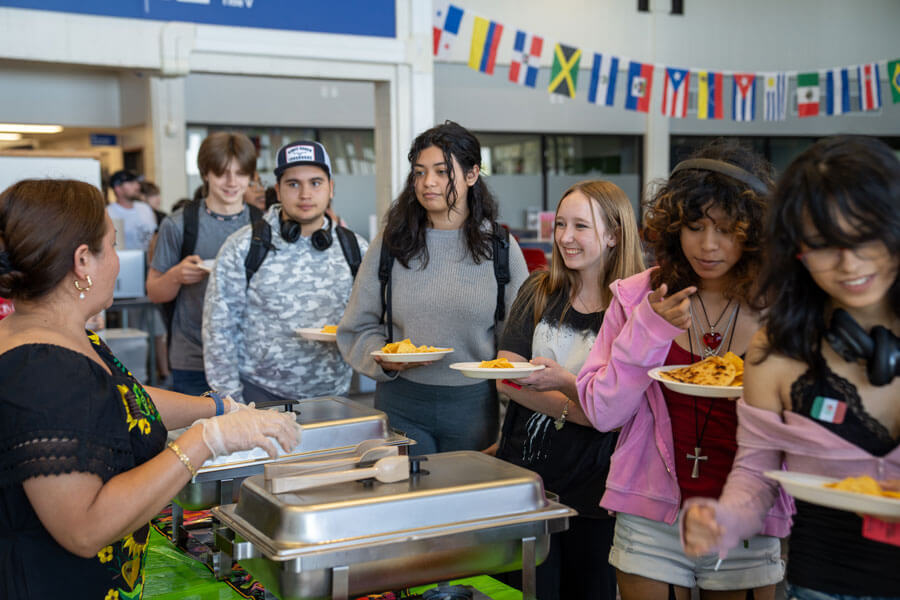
{"x": 186, "y": 349}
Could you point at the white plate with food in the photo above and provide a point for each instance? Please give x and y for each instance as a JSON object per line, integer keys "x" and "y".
{"x": 317, "y": 334}
{"x": 474, "y": 370}
{"x": 413, "y": 357}
{"x": 694, "y": 389}
{"x": 811, "y": 488}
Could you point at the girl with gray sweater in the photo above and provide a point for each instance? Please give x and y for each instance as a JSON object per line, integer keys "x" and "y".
{"x": 443, "y": 293}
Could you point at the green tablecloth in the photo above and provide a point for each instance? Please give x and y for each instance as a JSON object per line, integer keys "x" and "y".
{"x": 173, "y": 575}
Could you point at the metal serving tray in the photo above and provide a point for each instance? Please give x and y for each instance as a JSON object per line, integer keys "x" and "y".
{"x": 466, "y": 513}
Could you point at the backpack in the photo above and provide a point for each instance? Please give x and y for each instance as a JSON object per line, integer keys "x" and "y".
{"x": 500, "y": 245}
{"x": 188, "y": 245}
{"x": 261, "y": 243}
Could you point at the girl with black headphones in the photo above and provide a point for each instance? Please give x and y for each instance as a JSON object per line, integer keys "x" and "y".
{"x": 820, "y": 388}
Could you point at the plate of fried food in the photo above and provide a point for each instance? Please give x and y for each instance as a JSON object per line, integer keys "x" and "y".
{"x": 499, "y": 368}
{"x": 326, "y": 333}
{"x": 407, "y": 352}
{"x": 712, "y": 377}
{"x": 861, "y": 494}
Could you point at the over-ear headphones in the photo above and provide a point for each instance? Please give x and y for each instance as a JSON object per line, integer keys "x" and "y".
{"x": 320, "y": 239}
{"x": 725, "y": 168}
{"x": 880, "y": 348}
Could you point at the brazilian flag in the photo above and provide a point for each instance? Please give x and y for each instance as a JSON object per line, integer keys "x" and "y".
{"x": 564, "y": 75}
{"x": 894, "y": 79}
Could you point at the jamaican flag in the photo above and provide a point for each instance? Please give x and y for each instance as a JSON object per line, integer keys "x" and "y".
{"x": 565, "y": 70}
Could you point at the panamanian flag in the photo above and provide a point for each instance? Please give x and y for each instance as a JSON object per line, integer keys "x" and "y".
{"x": 447, "y": 19}
{"x": 603, "y": 79}
{"x": 869, "y": 86}
{"x": 837, "y": 91}
{"x": 527, "y": 48}
{"x": 640, "y": 82}
{"x": 675, "y": 92}
{"x": 743, "y": 107}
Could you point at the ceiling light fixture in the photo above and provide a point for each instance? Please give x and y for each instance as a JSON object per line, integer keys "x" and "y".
{"x": 26, "y": 128}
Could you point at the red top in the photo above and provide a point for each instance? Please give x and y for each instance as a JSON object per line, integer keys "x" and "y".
{"x": 717, "y": 441}
{"x": 6, "y": 308}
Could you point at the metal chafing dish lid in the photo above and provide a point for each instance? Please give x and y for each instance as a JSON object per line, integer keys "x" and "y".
{"x": 461, "y": 491}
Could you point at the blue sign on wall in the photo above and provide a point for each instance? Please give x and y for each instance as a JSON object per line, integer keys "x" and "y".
{"x": 354, "y": 17}
{"x": 103, "y": 139}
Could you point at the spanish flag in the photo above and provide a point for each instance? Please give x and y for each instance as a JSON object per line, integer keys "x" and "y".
{"x": 485, "y": 39}
{"x": 564, "y": 76}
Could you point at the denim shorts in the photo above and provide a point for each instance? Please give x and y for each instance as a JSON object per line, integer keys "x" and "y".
{"x": 801, "y": 593}
{"x": 652, "y": 549}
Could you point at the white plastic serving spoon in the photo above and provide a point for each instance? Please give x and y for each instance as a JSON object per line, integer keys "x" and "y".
{"x": 385, "y": 470}
{"x": 364, "y": 452}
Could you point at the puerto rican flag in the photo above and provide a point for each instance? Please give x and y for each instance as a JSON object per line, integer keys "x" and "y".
{"x": 523, "y": 69}
{"x": 640, "y": 82}
{"x": 869, "y": 86}
{"x": 675, "y": 92}
{"x": 447, "y": 19}
{"x": 743, "y": 107}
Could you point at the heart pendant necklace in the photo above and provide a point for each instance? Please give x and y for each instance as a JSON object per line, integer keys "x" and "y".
{"x": 712, "y": 339}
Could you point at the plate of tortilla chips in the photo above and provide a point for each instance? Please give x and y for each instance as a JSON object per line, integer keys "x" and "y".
{"x": 712, "y": 377}
{"x": 499, "y": 368}
{"x": 854, "y": 494}
{"x": 326, "y": 333}
{"x": 407, "y": 352}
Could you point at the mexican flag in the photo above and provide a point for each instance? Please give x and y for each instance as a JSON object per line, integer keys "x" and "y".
{"x": 807, "y": 94}
{"x": 828, "y": 410}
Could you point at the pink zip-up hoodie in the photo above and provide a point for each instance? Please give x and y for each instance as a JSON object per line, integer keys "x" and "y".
{"x": 615, "y": 391}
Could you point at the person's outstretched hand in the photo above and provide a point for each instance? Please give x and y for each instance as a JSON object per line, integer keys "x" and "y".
{"x": 249, "y": 428}
{"x": 675, "y": 308}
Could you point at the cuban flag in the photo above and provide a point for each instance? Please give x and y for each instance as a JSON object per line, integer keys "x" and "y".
{"x": 775, "y": 96}
{"x": 869, "y": 86}
{"x": 603, "y": 79}
{"x": 837, "y": 91}
{"x": 743, "y": 106}
{"x": 640, "y": 82}
{"x": 675, "y": 92}
{"x": 447, "y": 19}
{"x": 523, "y": 69}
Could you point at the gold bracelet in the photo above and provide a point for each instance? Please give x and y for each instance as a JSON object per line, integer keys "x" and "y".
{"x": 182, "y": 457}
{"x": 562, "y": 418}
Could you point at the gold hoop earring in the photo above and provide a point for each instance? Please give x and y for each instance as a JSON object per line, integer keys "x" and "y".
{"x": 82, "y": 290}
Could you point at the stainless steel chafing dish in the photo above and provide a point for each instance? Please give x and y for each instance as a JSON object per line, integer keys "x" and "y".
{"x": 464, "y": 513}
{"x": 332, "y": 427}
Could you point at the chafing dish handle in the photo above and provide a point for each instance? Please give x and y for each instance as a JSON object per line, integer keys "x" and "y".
{"x": 237, "y": 551}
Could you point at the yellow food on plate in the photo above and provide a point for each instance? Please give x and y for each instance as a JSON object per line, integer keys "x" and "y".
{"x": 727, "y": 370}
{"x": 497, "y": 363}
{"x": 329, "y": 329}
{"x": 407, "y": 347}
{"x": 862, "y": 485}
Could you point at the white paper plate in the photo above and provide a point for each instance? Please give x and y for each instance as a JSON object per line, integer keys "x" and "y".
{"x": 316, "y": 333}
{"x": 811, "y": 488}
{"x": 520, "y": 369}
{"x": 692, "y": 389}
{"x": 412, "y": 357}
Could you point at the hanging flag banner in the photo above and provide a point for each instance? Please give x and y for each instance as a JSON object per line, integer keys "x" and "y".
{"x": 709, "y": 95}
{"x": 775, "y": 96}
{"x": 869, "y": 86}
{"x": 447, "y": 19}
{"x": 526, "y": 59}
{"x": 893, "y": 69}
{"x": 640, "y": 81}
{"x": 837, "y": 91}
{"x": 743, "y": 105}
{"x": 807, "y": 95}
{"x": 675, "y": 92}
{"x": 485, "y": 39}
{"x": 603, "y": 79}
{"x": 564, "y": 76}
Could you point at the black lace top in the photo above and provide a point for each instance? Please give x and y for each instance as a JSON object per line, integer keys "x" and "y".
{"x": 60, "y": 412}
{"x": 827, "y": 550}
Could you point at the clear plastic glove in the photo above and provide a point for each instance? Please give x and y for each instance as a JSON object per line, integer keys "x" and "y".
{"x": 232, "y": 405}
{"x": 247, "y": 428}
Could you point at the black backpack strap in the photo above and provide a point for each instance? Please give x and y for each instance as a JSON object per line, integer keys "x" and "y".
{"x": 260, "y": 244}
{"x": 255, "y": 213}
{"x": 350, "y": 247}
{"x": 501, "y": 269}
{"x": 385, "y": 266}
{"x": 191, "y": 228}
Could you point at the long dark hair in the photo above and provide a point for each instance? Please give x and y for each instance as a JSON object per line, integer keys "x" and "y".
{"x": 407, "y": 222}
{"x": 846, "y": 179}
{"x": 682, "y": 199}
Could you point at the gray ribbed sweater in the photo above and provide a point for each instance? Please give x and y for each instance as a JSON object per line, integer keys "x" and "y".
{"x": 448, "y": 304}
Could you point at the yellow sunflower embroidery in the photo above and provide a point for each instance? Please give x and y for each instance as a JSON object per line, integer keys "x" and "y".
{"x": 95, "y": 339}
{"x": 105, "y": 555}
{"x": 130, "y": 572}
{"x": 134, "y": 548}
{"x": 112, "y": 595}
{"x": 144, "y": 425}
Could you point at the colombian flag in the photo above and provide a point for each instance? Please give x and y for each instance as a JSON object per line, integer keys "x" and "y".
{"x": 485, "y": 39}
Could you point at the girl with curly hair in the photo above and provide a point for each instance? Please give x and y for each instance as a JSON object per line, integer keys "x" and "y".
{"x": 705, "y": 226}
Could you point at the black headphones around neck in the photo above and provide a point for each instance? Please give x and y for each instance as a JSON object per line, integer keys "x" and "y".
{"x": 880, "y": 348}
{"x": 320, "y": 239}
